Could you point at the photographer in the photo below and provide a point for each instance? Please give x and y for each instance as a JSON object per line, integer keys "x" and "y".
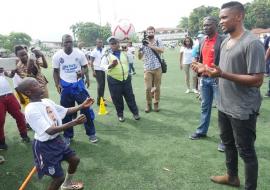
{"x": 152, "y": 67}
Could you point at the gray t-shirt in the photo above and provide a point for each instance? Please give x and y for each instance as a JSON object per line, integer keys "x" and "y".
{"x": 245, "y": 57}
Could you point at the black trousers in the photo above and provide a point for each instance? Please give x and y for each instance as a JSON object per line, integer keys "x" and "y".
{"x": 239, "y": 136}
{"x": 100, "y": 78}
{"x": 120, "y": 89}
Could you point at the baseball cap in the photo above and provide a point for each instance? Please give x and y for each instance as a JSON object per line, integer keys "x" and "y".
{"x": 112, "y": 39}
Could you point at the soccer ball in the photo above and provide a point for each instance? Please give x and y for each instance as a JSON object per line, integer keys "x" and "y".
{"x": 123, "y": 29}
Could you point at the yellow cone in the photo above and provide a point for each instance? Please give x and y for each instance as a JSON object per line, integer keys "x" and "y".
{"x": 102, "y": 108}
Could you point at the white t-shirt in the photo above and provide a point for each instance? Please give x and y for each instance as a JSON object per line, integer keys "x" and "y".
{"x": 4, "y": 85}
{"x": 187, "y": 55}
{"x": 43, "y": 115}
{"x": 69, "y": 64}
{"x": 97, "y": 55}
{"x": 131, "y": 54}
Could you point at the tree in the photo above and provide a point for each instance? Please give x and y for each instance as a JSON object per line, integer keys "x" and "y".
{"x": 197, "y": 15}
{"x": 88, "y": 32}
{"x": 183, "y": 23}
{"x": 13, "y": 39}
{"x": 257, "y": 14}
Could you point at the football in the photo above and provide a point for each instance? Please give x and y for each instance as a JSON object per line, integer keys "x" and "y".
{"x": 123, "y": 29}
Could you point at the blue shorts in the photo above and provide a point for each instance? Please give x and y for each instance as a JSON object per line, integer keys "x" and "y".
{"x": 48, "y": 156}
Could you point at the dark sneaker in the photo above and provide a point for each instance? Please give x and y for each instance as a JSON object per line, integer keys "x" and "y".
{"x": 121, "y": 118}
{"x": 3, "y": 146}
{"x": 267, "y": 95}
{"x": 26, "y": 139}
{"x": 196, "y": 136}
{"x": 93, "y": 139}
{"x": 136, "y": 117}
{"x": 28, "y": 127}
{"x": 221, "y": 147}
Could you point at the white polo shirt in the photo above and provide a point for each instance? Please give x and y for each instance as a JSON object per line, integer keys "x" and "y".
{"x": 97, "y": 61}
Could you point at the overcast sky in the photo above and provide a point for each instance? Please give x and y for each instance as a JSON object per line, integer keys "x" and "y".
{"x": 50, "y": 19}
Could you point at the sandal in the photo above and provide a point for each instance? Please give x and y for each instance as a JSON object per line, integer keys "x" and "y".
{"x": 2, "y": 159}
{"x": 74, "y": 185}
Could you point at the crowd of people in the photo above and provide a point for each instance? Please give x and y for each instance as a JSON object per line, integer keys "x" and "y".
{"x": 226, "y": 70}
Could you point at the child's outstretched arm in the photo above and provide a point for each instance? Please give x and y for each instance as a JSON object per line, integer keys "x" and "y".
{"x": 86, "y": 104}
{"x": 53, "y": 129}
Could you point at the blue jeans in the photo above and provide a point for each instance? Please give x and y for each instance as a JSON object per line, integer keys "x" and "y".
{"x": 209, "y": 91}
{"x": 79, "y": 94}
{"x": 131, "y": 68}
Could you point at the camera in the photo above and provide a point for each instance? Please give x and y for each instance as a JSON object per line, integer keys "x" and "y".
{"x": 145, "y": 39}
{"x": 36, "y": 52}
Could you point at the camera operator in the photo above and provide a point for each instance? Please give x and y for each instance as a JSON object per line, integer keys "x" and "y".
{"x": 152, "y": 67}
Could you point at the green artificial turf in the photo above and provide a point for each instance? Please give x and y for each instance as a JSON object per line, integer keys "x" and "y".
{"x": 154, "y": 153}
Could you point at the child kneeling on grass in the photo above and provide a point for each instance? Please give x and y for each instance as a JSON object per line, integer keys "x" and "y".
{"x": 49, "y": 149}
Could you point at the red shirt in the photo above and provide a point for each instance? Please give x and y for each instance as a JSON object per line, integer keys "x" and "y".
{"x": 208, "y": 51}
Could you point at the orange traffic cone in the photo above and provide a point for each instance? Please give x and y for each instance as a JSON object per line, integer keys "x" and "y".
{"x": 102, "y": 108}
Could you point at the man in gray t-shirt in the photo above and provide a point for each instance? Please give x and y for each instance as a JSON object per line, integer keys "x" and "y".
{"x": 241, "y": 71}
{"x": 244, "y": 58}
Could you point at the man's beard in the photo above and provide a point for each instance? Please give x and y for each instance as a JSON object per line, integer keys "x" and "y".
{"x": 151, "y": 37}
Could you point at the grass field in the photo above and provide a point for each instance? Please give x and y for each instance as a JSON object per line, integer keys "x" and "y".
{"x": 154, "y": 153}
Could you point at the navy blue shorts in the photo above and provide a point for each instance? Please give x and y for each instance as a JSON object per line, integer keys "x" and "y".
{"x": 48, "y": 156}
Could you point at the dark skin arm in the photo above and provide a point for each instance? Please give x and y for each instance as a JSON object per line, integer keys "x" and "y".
{"x": 91, "y": 63}
{"x": 85, "y": 72}
{"x": 113, "y": 64}
{"x": 53, "y": 129}
{"x": 44, "y": 62}
{"x": 251, "y": 80}
{"x": 56, "y": 78}
{"x": 267, "y": 54}
{"x": 79, "y": 120}
{"x": 181, "y": 60}
{"x": 31, "y": 68}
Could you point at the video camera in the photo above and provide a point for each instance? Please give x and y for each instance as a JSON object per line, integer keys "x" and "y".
{"x": 36, "y": 52}
{"x": 145, "y": 40}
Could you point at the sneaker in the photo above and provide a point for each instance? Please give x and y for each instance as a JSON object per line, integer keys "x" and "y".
{"x": 197, "y": 136}
{"x": 73, "y": 185}
{"x": 134, "y": 73}
{"x": 195, "y": 91}
{"x": 226, "y": 180}
{"x": 267, "y": 95}
{"x": 2, "y": 159}
{"x": 221, "y": 147}
{"x": 148, "y": 108}
{"x": 26, "y": 139}
{"x": 156, "y": 109}
{"x": 121, "y": 118}
{"x": 187, "y": 91}
{"x": 67, "y": 140}
{"x": 136, "y": 117}
{"x": 3, "y": 146}
{"x": 28, "y": 127}
{"x": 93, "y": 139}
